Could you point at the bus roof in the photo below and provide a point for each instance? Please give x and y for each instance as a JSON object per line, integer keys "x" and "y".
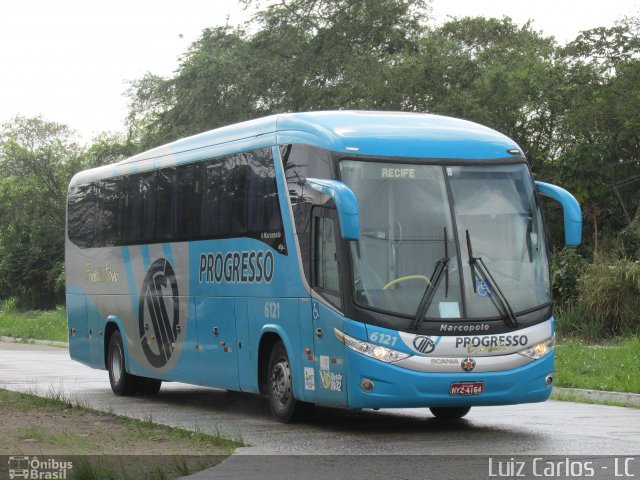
{"x": 395, "y": 134}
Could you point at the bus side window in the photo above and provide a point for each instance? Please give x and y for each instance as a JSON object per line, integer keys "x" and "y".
{"x": 109, "y": 213}
{"x": 140, "y": 210}
{"x": 164, "y": 201}
{"x": 326, "y": 271}
{"x": 82, "y": 214}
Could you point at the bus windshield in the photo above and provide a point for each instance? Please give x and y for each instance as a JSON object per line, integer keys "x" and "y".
{"x": 409, "y": 217}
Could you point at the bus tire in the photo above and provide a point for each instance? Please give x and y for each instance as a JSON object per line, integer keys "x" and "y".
{"x": 122, "y": 383}
{"x": 449, "y": 412}
{"x": 284, "y": 406}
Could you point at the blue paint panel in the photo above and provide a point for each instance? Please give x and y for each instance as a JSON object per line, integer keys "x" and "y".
{"x": 397, "y": 387}
{"x": 283, "y": 276}
{"x": 189, "y": 368}
{"x": 307, "y": 336}
{"x": 346, "y": 205}
{"x": 215, "y": 318}
{"x": 166, "y": 249}
{"x": 77, "y": 318}
{"x": 95, "y": 333}
{"x": 284, "y": 322}
{"x": 571, "y": 209}
{"x": 381, "y": 336}
{"x": 329, "y": 357}
{"x": 146, "y": 260}
{"x": 246, "y": 373}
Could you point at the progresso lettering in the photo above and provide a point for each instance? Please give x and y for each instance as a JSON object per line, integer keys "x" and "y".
{"x": 237, "y": 267}
{"x": 492, "y": 341}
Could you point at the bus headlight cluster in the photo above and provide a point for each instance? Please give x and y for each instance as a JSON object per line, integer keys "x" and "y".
{"x": 539, "y": 350}
{"x": 378, "y": 352}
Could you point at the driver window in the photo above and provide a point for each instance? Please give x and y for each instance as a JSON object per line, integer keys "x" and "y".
{"x": 326, "y": 271}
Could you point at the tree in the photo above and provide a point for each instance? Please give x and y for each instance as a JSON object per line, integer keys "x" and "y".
{"x": 600, "y": 160}
{"x": 304, "y": 55}
{"x": 37, "y": 159}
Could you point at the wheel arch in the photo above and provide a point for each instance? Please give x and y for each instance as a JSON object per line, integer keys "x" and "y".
{"x": 269, "y": 336}
{"x": 114, "y": 324}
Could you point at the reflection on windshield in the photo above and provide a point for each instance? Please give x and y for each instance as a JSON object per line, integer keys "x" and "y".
{"x": 404, "y": 210}
{"x": 496, "y": 204}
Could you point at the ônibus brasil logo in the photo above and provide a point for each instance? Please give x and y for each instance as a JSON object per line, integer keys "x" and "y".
{"x": 158, "y": 312}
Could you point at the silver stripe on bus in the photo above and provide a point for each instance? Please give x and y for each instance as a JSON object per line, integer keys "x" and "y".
{"x": 454, "y": 364}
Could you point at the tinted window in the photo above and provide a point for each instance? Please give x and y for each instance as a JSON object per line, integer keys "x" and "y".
{"x": 223, "y": 197}
{"x": 186, "y": 192}
{"x": 81, "y": 214}
{"x": 109, "y": 212}
{"x": 140, "y": 208}
{"x": 166, "y": 180}
{"x": 326, "y": 260}
{"x": 216, "y": 204}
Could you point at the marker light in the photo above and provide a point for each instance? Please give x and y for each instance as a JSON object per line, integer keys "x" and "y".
{"x": 539, "y": 350}
{"x": 370, "y": 350}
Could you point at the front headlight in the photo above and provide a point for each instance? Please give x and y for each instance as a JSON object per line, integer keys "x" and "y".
{"x": 378, "y": 352}
{"x": 539, "y": 350}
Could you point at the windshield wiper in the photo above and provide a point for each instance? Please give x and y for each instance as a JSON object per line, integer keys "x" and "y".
{"x": 480, "y": 271}
{"x": 432, "y": 287}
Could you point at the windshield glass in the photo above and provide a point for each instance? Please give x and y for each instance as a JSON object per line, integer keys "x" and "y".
{"x": 405, "y": 222}
{"x": 406, "y": 229}
{"x": 497, "y": 206}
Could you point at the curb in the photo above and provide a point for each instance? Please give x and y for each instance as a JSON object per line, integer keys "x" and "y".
{"x": 599, "y": 395}
{"x": 31, "y": 341}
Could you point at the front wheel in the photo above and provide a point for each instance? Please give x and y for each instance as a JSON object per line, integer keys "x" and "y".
{"x": 284, "y": 406}
{"x": 449, "y": 412}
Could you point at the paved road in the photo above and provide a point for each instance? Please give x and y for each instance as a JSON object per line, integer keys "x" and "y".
{"x": 550, "y": 428}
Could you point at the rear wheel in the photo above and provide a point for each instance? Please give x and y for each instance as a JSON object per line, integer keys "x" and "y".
{"x": 449, "y": 412}
{"x": 284, "y": 406}
{"x": 122, "y": 383}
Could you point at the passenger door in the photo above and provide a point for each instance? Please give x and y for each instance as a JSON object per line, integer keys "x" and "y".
{"x": 329, "y": 361}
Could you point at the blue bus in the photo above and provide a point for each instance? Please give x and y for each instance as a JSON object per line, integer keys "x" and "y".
{"x": 352, "y": 259}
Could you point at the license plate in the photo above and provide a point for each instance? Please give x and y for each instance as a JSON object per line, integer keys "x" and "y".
{"x": 466, "y": 388}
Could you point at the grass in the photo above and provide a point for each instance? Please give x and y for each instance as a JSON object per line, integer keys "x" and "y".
{"x": 138, "y": 430}
{"x": 102, "y": 445}
{"x": 612, "y": 367}
{"x": 35, "y": 324}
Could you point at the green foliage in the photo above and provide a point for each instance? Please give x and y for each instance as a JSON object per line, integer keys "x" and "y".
{"x": 630, "y": 238}
{"x": 37, "y": 160}
{"x": 566, "y": 267}
{"x": 9, "y": 305}
{"x": 610, "y": 291}
{"x": 610, "y": 367}
{"x": 34, "y": 324}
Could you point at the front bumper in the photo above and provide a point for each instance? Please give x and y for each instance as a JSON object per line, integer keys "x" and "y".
{"x": 396, "y": 387}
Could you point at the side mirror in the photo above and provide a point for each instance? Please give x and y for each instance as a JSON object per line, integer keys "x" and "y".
{"x": 572, "y": 212}
{"x": 346, "y": 205}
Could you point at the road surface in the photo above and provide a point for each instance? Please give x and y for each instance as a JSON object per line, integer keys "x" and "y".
{"x": 550, "y": 428}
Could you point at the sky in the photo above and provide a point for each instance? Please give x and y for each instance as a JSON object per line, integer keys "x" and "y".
{"x": 70, "y": 60}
